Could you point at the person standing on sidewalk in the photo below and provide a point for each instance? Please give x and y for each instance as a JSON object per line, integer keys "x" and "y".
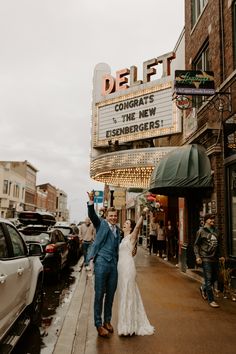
{"x": 161, "y": 239}
{"x": 171, "y": 235}
{"x": 87, "y": 234}
{"x": 153, "y": 235}
{"x": 103, "y": 257}
{"x": 208, "y": 249}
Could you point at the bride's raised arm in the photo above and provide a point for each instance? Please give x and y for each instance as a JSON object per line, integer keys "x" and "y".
{"x": 135, "y": 232}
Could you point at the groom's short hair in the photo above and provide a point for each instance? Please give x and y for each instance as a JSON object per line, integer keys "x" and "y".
{"x": 111, "y": 209}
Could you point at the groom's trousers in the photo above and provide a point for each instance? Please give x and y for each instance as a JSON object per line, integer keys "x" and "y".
{"x": 105, "y": 286}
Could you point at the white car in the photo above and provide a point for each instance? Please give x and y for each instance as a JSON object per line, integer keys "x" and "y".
{"x": 21, "y": 286}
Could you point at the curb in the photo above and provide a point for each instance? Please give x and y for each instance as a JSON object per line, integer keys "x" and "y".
{"x": 67, "y": 334}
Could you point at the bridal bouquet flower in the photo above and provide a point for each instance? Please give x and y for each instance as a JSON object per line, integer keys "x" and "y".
{"x": 151, "y": 203}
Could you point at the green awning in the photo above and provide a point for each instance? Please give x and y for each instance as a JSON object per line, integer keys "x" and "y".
{"x": 184, "y": 169}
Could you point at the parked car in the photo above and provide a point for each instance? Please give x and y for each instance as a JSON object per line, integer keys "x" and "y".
{"x": 21, "y": 286}
{"x": 15, "y": 222}
{"x": 54, "y": 247}
{"x": 36, "y": 218}
{"x": 72, "y": 236}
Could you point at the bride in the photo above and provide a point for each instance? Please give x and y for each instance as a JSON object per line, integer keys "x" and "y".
{"x": 132, "y": 318}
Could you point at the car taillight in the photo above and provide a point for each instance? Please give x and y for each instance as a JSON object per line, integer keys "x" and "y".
{"x": 72, "y": 237}
{"x": 50, "y": 248}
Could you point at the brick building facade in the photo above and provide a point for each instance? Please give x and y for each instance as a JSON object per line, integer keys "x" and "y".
{"x": 210, "y": 42}
{"x": 51, "y": 197}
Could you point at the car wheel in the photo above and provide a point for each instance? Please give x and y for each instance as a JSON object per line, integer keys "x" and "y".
{"x": 35, "y": 309}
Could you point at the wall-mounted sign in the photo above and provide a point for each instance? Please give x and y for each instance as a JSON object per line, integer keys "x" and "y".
{"x": 190, "y": 123}
{"x": 119, "y": 198}
{"x": 182, "y": 102}
{"x": 144, "y": 114}
{"x": 189, "y": 82}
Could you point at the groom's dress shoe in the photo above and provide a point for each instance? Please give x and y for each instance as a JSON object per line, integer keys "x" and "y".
{"x": 109, "y": 327}
{"x": 102, "y": 332}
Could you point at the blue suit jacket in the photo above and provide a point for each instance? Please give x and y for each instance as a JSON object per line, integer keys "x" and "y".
{"x": 106, "y": 245}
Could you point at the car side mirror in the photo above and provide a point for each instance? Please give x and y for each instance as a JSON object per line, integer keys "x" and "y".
{"x": 34, "y": 249}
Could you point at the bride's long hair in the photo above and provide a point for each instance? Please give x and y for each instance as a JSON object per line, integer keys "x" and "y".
{"x": 132, "y": 224}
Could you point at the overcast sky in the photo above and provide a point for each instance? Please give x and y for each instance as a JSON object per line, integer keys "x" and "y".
{"x": 48, "y": 50}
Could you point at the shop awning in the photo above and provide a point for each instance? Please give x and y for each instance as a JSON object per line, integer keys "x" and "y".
{"x": 184, "y": 169}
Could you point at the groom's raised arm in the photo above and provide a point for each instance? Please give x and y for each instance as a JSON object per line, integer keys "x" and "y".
{"x": 91, "y": 212}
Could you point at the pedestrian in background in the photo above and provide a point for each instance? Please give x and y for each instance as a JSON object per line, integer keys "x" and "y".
{"x": 176, "y": 254}
{"x": 153, "y": 234}
{"x": 208, "y": 249}
{"x": 87, "y": 234}
{"x": 103, "y": 258}
{"x": 161, "y": 239}
{"x": 170, "y": 239}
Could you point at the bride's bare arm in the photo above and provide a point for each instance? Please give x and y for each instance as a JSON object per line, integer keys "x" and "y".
{"x": 135, "y": 232}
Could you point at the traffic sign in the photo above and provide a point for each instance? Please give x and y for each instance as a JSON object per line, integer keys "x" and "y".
{"x": 98, "y": 197}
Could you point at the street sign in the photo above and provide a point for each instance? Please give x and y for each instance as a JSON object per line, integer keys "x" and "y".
{"x": 98, "y": 197}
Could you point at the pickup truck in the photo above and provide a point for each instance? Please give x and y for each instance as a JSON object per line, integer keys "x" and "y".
{"x": 21, "y": 286}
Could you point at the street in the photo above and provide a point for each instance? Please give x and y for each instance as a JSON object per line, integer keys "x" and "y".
{"x": 184, "y": 322}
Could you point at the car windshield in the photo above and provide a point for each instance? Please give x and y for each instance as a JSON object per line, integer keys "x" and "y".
{"x": 65, "y": 230}
{"x": 36, "y": 236}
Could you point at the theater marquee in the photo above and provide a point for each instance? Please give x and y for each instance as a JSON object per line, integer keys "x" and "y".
{"x": 128, "y": 108}
{"x": 147, "y": 113}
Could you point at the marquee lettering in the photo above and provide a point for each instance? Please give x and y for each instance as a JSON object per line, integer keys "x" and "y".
{"x": 120, "y": 83}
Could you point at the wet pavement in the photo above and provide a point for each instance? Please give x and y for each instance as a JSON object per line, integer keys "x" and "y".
{"x": 184, "y": 322}
{"x": 57, "y": 297}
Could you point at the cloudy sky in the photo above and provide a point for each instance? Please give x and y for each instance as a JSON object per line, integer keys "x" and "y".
{"x": 48, "y": 50}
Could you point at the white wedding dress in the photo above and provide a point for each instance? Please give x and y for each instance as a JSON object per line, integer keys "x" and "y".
{"x": 132, "y": 318}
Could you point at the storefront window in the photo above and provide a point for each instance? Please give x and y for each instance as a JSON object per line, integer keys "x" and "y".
{"x": 234, "y": 31}
{"x": 231, "y": 172}
{"x": 230, "y": 137}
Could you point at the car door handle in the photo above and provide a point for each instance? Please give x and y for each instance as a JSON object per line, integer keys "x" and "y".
{"x": 3, "y": 278}
{"x": 20, "y": 271}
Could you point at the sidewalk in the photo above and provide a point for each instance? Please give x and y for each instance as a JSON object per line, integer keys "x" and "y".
{"x": 184, "y": 323}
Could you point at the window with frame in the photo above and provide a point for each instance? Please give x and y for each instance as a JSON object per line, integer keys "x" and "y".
{"x": 202, "y": 62}
{"x": 16, "y": 191}
{"x": 3, "y": 245}
{"x": 17, "y": 242}
{"x": 5, "y": 186}
{"x": 231, "y": 204}
{"x": 234, "y": 32}
{"x": 23, "y": 193}
{"x": 9, "y": 189}
{"x": 230, "y": 137}
{"x": 197, "y": 8}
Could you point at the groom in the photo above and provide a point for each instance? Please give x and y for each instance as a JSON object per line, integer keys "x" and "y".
{"x": 103, "y": 257}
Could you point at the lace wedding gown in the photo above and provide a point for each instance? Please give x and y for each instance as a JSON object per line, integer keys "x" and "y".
{"x": 132, "y": 318}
